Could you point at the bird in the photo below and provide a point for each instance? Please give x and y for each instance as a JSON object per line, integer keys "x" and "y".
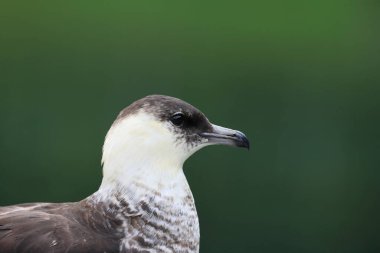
{"x": 144, "y": 202}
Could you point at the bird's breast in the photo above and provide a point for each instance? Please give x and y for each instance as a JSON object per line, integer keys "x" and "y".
{"x": 161, "y": 221}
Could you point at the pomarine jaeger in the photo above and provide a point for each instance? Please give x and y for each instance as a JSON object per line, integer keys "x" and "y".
{"x": 144, "y": 203}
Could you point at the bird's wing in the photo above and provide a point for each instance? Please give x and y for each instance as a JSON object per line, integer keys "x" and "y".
{"x": 50, "y": 228}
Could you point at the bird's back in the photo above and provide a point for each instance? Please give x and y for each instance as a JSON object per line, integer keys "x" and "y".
{"x": 68, "y": 227}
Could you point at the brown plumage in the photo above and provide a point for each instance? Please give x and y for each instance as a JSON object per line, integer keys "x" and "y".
{"x": 65, "y": 227}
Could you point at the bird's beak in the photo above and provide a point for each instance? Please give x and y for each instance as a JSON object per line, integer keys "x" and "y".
{"x": 225, "y": 136}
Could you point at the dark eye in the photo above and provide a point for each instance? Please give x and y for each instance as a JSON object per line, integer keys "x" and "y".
{"x": 177, "y": 118}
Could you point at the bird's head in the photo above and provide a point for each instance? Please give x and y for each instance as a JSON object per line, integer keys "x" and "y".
{"x": 160, "y": 133}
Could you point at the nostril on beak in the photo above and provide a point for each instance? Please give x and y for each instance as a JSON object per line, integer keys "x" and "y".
{"x": 232, "y": 135}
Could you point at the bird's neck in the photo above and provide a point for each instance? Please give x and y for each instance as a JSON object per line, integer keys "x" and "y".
{"x": 151, "y": 172}
{"x": 134, "y": 181}
{"x": 142, "y": 181}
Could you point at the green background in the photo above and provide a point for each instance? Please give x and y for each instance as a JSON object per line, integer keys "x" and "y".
{"x": 301, "y": 79}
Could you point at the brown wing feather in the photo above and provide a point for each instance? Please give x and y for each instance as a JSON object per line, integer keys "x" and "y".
{"x": 56, "y": 228}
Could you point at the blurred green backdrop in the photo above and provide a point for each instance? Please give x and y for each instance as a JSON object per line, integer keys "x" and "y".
{"x": 301, "y": 79}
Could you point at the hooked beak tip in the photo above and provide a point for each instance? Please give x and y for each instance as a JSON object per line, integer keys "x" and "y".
{"x": 242, "y": 140}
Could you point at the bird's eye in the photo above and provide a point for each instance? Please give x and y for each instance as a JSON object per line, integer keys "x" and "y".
{"x": 177, "y": 118}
